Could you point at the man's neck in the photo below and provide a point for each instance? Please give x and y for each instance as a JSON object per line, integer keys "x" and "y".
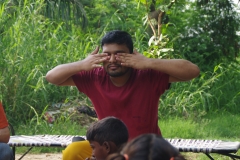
{"x": 120, "y": 81}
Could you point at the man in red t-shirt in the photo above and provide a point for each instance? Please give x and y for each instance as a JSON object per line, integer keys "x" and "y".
{"x": 5, "y": 151}
{"x": 127, "y": 85}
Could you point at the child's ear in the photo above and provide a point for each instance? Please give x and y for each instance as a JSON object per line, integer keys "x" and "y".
{"x": 107, "y": 146}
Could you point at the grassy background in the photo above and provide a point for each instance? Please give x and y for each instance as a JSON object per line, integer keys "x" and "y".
{"x": 218, "y": 126}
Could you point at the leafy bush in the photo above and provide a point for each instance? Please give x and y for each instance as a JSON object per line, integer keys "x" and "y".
{"x": 209, "y": 34}
{"x": 212, "y": 91}
{"x": 30, "y": 46}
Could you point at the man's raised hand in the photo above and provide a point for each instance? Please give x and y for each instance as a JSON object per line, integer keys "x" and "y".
{"x": 94, "y": 60}
{"x": 134, "y": 60}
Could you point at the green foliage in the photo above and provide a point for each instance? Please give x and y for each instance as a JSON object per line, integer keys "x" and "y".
{"x": 31, "y": 44}
{"x": 209, "y": 34}
{"x": 159, "y": 44}
{"x": 115, "y": 15}
{"x": 212, "y": 126}
{"x": 68, "y": 11}
{"x": 216, "y": 90}
{"x": 159, "y": 47}
{"x": 156, "y": 2}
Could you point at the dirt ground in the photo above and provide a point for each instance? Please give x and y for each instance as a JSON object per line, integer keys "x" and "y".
{"x": 44, "y": 156}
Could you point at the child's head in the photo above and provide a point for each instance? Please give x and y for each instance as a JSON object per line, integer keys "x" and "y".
{"x": 148, "y": 147}
{"x": 106, "y": 136}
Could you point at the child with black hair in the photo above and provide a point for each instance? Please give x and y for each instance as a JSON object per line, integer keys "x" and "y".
{"x": 147, "y": 147}
{"x": 106, "y": 136}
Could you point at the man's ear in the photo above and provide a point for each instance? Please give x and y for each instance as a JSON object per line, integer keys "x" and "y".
{"x": 107, "y": 146}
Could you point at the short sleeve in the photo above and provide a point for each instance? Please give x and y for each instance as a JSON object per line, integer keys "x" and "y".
{"x": 86, "y": 80}
{"x": 160, "y": 81}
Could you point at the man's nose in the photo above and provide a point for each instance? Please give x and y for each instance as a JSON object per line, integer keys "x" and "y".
{"x": 112, "y": 58}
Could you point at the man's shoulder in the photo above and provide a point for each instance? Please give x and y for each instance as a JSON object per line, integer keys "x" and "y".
{"x": 87, "y": 76}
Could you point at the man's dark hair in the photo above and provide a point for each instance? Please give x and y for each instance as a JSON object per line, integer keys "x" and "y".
{"x": 118, "y": 37}
{"x": 108, "y": 129}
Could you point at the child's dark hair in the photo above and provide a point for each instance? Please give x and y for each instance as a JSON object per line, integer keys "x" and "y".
{"x": 119, "y": 37}
{"x": 108, "y": 129}
{"x": 148, "y": 147}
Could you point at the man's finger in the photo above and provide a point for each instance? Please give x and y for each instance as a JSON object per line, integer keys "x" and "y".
{"x": 95, "y": 51}
{"x": 126, "y": 64}
{"x": 101, "y": 60}
{"x": 102, "y": 54}
{"x": 97, "y": 65}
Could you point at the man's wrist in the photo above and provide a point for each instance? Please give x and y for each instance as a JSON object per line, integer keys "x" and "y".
{"x": 150, "y": 63}
{"x": 155, "y": 64}
{"x": 79, "y": 65}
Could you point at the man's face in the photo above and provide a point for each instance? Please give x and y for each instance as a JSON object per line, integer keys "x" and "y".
{"x": 99, "y": 152}
{"x": 112, "y": 66}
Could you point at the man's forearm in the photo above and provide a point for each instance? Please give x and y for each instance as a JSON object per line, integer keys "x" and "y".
{"x": 62, "y": 72}
{"x": 181, "y": 69}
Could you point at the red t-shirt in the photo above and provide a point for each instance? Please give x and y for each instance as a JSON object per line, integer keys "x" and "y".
{"x": 3, "y": 118}
{"x": 135, "y": 103}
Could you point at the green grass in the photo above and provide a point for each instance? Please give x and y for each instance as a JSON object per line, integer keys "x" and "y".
{"x": 224, "y": 126}
{"x": 213, "y": 126}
